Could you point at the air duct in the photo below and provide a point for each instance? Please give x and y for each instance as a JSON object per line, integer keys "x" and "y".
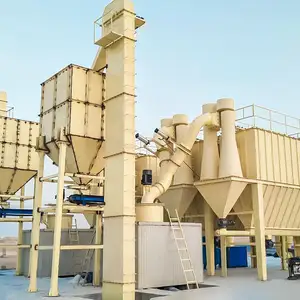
{"x": 179, "y": 156}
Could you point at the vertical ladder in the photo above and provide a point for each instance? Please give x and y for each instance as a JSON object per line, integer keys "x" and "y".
{"x": 183, "y": 252}
{"x": 73, "y": 233}
{"x": 86, "y": 264}
{"x": 74, "y": 239}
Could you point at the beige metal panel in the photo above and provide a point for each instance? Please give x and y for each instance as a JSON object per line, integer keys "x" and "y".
{"x": 66, "y": 221}
{"x": 283, "y": 208}
{"x": 77, "y": 119}
{"x": 3, "y": 104}
{"x": 48, "y": 94}
{"x": 23, "y": 151}
{"x": 270, "y": 196}
{"x": 269, "y": 156}
{"x": 75, "y": 94}
{"x": 85, "y": 152}
{"x": 60, "y": 119}
{"x": 291, "y": 208}
{"x": 20, "y": 178}
{"x": 46, "y": 126}
{"x": 262, "y": 155}
{"x": 12, "y": 180}
{"x": 288, "y": 159}
{"x": 94, "y": 121}
{"x": 275, "y": 153}
{"x": 295, "y": 213}
{"x": 6, "y": 175}
{"x": 156, "y": 250}
{"x": 11, "y": 131}
{"x": 178, "y": 197}
{"x": 282, "y": 165}
{"x": 244, "y": 203}
{"x": 276, "y": 203}
{"x": 63, "y": 83}
{"x": 295, "y": 162}
{"x": 197, "y": 158}
{"x": 9, "y": 155}
{"x": 247, "y": 151}
{"x": 79, "y": 82}
{"x": 17, "y": 141}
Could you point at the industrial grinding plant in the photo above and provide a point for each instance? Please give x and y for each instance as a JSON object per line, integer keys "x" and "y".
{"x": 156, "y": 207}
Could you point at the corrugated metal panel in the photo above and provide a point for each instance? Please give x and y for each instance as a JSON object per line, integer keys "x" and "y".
{"x": 276, "y": 156}
{"x": 68, "y": 264}
{"x": 158, "y": 263}
{"x": 271, "y": 157}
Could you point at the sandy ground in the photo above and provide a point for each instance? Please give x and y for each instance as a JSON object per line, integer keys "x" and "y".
{"x": 8, "y": 257}
{"x": 9, "y": 261}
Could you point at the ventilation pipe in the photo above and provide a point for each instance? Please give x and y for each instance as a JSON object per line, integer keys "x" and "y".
{"x": 179, "y": 156}
{"x": 164, "y": 151}
{"x": 182, "y": 192}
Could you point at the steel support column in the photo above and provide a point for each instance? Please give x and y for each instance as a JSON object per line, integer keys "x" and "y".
{"x": 58, "y": 220}
{"x": 35, "y": 232}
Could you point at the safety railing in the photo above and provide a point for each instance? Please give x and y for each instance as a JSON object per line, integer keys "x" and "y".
{"x": 8, "y": 112}
{"x": 106, "y": 31}
{"x": 268, "y": 119}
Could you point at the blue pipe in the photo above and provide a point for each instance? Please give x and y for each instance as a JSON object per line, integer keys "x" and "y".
{"x": 15, "y": 212}
{"x": 86, "y": 199}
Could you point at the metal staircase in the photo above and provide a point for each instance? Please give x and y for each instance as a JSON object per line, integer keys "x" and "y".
{"x": 183, "y": 252}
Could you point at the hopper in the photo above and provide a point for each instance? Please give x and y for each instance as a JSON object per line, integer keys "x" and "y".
{"x": 73, "y": 99}
{"x": 221, "y": 194}
{"x": 18, "y": 158}
{"x": 195, "y": 213}
{"x": 281, "y": 206}
{"x": 178, "y": 197}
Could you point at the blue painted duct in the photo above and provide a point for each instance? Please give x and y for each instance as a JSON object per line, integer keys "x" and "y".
{"x": 14, "y": 212}
{"x": 86, "y": 199}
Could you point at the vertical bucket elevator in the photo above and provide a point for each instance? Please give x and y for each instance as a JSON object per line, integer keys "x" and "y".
{"x": 117, "y": 52}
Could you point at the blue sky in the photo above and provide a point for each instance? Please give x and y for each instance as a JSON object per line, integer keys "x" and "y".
{"x": 188, "y": 53}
